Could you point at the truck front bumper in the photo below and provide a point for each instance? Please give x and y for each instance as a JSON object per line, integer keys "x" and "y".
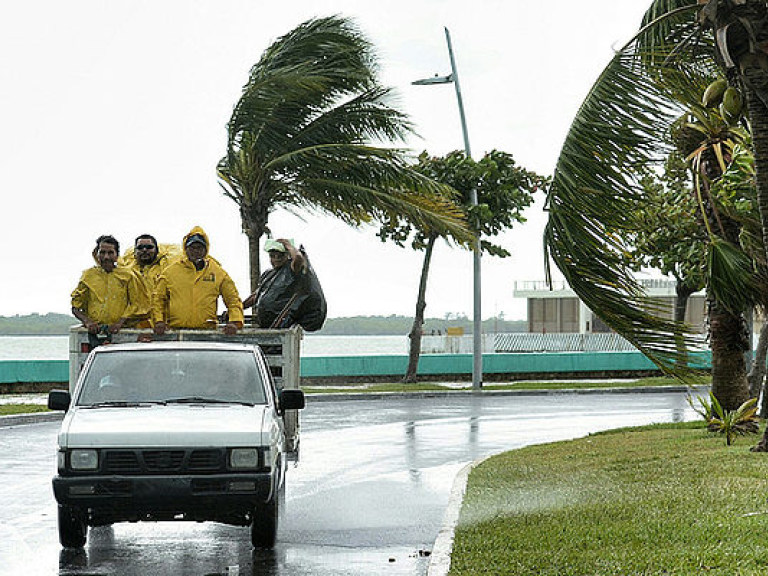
{"x": 221, "y": 497}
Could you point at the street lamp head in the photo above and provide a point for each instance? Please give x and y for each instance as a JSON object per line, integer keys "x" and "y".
{"x": 434, "y": 80}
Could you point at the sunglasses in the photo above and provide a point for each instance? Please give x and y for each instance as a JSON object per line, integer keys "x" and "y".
{"x": 145, "y": 247}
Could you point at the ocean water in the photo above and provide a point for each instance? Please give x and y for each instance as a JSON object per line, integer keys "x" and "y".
{"x": 57, "y": 347}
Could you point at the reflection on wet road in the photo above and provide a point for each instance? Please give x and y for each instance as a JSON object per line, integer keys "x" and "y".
{"x": 367, "y": 496}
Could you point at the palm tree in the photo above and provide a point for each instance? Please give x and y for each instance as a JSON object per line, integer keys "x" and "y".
{"x": 299, "y": 138}
{"x": 623, "y": 126}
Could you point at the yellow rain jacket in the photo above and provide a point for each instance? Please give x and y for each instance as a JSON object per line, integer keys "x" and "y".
{"x": 187, "y": 298}
{"x": 105, "y": 297}
{"x": 149, "y": 275}
{"x": 166, "y": 254}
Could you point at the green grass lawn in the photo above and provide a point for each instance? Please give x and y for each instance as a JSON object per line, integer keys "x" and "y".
{"x": 10, "y": 409}
{"x": 666, "y": 500}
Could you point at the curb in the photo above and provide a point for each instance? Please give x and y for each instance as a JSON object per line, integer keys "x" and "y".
{"x": 440, "y": 560}
{"x": 31, "y": 418}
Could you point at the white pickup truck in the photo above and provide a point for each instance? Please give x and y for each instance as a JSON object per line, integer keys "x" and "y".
{"x": 189, "y": 428}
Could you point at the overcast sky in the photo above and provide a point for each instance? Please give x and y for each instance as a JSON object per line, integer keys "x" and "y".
{"x": 113, "y": 114}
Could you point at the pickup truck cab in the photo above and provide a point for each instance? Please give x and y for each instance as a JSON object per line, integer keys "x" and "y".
{"x": 172, "y": 431}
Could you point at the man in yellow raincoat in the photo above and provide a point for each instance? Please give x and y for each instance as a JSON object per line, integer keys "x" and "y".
{"x": 148, "y": 260}
{"x": 107, "y": 294}
{"x": 187, "y": 292}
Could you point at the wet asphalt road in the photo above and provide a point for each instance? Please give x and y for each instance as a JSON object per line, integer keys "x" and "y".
{"x": 366, "y": 498}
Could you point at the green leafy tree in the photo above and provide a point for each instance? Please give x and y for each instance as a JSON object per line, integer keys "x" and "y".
{"x": 503, "y": 191}
{"x": 667, "y": 235}
{"x": 622, "y": 127}
{"x": 300, "y": 137}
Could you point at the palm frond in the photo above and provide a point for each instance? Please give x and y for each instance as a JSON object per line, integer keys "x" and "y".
{"x": 619, "y": 130}
{"x": 357, "y": 183}
{"x": 364, "y": 118}
{"x": 304, "y": 71}
{"x": 731, "y": 276}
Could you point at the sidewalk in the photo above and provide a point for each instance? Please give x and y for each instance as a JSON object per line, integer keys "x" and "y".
{"x": 40, "y": 398}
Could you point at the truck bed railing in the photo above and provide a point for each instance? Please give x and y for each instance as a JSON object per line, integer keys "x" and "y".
{"x": 282, "y": 349}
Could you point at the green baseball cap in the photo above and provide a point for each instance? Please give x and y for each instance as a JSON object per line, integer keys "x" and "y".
{"x": 271, "y": 244}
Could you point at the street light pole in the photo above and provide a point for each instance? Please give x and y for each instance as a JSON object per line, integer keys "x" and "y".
{"x": 477, "y": 320}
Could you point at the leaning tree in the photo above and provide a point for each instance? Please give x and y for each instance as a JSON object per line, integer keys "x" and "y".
{"x": 503, "y": 190}
{"x": 301, "y": 137}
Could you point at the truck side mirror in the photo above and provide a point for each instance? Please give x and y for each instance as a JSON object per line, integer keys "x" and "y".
{"x": 59, "y": 400}
{"x": 291, "y": 400}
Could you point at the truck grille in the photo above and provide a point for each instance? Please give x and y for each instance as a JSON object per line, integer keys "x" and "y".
{"x": 136, "y": 462}
{"x": 122, "y": 462}
{"x": 206, "y": 460}
{"x": 163, "y": 460}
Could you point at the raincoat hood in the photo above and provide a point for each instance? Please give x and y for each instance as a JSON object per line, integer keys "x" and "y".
{"x": 186, "y": 296}
{"x": 201, "y": 232}
{"x": 196, "y": 230}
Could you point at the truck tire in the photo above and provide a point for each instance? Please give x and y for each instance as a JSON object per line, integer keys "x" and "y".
{"x": 73, "y": 530}
{"x": 264, "y": 526}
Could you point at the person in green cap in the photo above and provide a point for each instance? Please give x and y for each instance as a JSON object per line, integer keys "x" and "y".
{"x": 279, "y": 287}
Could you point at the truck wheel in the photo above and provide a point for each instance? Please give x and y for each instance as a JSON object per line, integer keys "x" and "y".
{"x": 72, "y": 528}
{"x": 264, "y": 526}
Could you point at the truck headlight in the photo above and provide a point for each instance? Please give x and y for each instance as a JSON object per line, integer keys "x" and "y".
{"x": 244, "y": 458}
{"x": 82, "y": 459}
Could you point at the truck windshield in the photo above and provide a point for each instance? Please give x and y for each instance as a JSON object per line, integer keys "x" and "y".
{"x": 125, "y": 377}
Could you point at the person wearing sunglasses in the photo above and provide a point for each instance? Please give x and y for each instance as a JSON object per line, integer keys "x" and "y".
{"x": 148, "y": 260}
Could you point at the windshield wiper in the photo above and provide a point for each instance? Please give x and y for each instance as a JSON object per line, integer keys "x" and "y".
{"x": 196, "y": 400}
{"x": 202, "y": 400}
{"x": 118, "y": 404}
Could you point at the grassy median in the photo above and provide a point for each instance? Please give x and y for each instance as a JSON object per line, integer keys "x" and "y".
{"x": 11, "y": 409}
{"x": 668, "y": 500}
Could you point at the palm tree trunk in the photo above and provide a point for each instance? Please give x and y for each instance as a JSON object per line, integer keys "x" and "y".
{"x": 729, "y": 370}
{"x": 758, "y": 119}
{"x": 254, "y": 258}
{"x": 254, "y": 228}
{"x": 418, "y": 319}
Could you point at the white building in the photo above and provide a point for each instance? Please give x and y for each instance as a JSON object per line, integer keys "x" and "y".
{"x": 557, "y": 308}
